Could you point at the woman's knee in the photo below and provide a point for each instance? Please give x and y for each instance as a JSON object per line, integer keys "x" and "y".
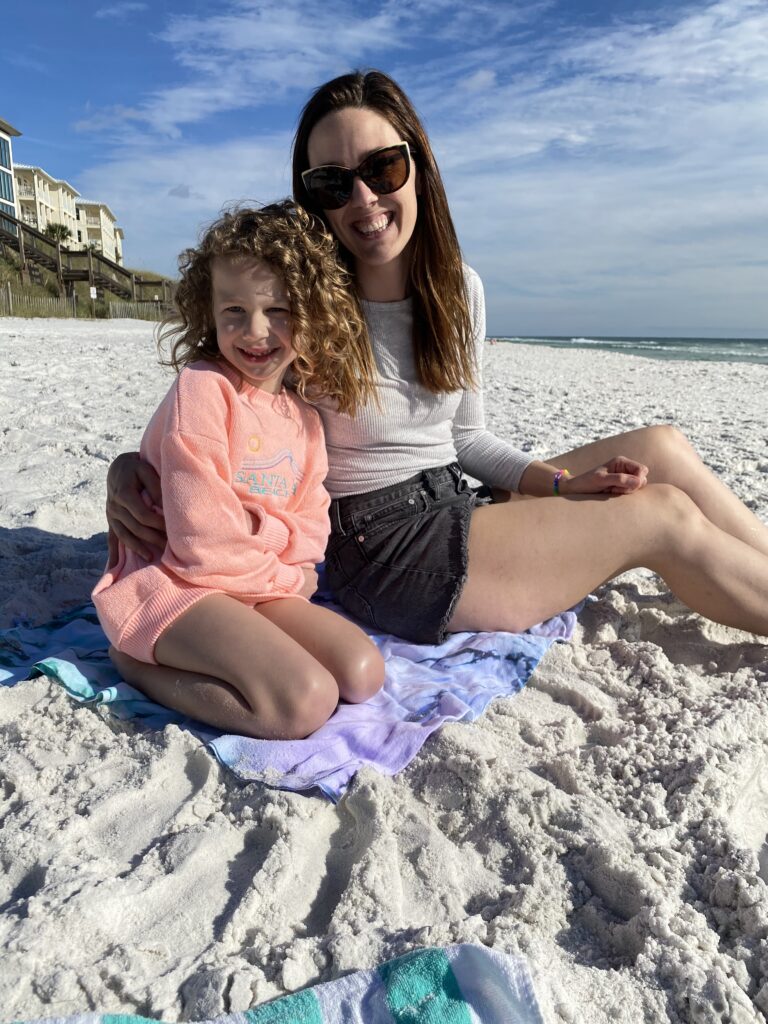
{"x": 673, "y": 519}
{"x": 666, "y": 440}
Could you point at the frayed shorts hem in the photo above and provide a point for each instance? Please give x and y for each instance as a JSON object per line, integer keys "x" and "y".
{"x": 397, "y": 559}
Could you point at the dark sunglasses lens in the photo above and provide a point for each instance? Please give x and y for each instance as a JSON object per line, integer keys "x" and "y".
{"x": 385, "y": 172}
{"x": 330, "y": 187}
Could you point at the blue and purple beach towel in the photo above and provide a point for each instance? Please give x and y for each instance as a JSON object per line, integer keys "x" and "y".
{"x": 425, "y": 687}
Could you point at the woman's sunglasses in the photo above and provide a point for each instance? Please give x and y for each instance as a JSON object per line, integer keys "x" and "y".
{"x": 384, "y": 171}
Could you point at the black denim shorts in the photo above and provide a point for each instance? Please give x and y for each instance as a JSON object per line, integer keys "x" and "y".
{"x": 397, "y": 557}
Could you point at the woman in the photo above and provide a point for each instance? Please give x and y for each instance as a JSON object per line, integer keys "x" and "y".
{"x": 413, "y": 551}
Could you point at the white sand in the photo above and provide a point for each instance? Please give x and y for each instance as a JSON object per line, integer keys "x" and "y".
{"x": 610, "y": 822}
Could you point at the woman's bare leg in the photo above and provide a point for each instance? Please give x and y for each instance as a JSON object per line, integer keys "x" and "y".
{"x": 232, "y": 668}
{"x": 529, "y": 560}
{"x": 340, "y": 646}
{"x": 672, "y": 460}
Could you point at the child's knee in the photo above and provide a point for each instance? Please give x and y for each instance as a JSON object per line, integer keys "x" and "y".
{"x": 363, "y": 674}
{"x": 309, "y": 702}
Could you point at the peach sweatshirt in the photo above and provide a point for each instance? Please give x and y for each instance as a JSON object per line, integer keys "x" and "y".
{"x": 244, "y": 502}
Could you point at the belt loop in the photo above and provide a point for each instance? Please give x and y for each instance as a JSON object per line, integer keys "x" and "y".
{"x": 458, "y": 475}
{"x": 336, "y": 518}
{"x": 432, "y": 482}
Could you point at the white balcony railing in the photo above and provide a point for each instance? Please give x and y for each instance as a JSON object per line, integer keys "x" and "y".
{"x": 28, "y": 218}
{"x": 93, "y": 222}
{"x": 25, "y": 192}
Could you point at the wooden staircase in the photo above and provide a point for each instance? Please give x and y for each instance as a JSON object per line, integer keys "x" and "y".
{"x": 36, "y": 250}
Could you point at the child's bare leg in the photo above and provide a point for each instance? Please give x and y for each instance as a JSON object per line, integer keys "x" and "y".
{"x": 191, "y": 693}
{"x": 223, "y": 664}
{"x": 342, "y": 647}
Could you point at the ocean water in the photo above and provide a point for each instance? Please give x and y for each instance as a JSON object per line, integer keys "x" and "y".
{"x": 731, "y": 350}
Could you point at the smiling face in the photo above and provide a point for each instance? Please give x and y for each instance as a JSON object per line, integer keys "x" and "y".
{"x": 377, "y": 230}
{"x": 252, "y": 313}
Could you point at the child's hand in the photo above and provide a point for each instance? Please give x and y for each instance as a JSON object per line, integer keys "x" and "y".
{"x": 617, "y": 476}
{"x": 310, "y": 581}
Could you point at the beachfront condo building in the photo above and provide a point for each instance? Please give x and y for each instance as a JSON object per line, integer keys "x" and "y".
{"x": 97, "y": 227}
{"x": 35, "y": 197}
{"x": 45, "y": 200}
{"x": 8, "y": 202}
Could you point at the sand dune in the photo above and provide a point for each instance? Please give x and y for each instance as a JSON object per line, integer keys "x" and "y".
{"x": 609, "y": 823}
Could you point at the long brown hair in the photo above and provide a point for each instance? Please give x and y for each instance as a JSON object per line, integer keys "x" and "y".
{"x": 442, "y": 326}
{"x": 333, "y": 357}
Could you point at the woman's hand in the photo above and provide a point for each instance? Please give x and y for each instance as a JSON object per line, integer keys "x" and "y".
{"x": 617, "y": 476}
{"x": 134, "y": 507}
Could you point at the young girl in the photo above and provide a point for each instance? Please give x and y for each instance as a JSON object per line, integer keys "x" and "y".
{"x": 411, "y": 551}
{"x": 241, "y": 462}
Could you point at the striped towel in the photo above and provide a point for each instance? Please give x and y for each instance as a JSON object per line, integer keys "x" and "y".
{"x": 461, "y": 984}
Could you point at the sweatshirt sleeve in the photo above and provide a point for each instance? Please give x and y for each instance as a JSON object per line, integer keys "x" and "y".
{"x": 309, "y": 525}
{"x": 481, "y": 453}
{"x": 212, "y": 540}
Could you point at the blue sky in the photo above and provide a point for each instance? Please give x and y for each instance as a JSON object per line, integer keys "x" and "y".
{"x": 606, "y": 163}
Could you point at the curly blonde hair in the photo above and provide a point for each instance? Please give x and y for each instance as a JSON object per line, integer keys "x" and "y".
{"x": 333, "y": 353}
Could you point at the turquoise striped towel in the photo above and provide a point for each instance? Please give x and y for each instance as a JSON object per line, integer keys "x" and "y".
{"x": 461, "y": 984}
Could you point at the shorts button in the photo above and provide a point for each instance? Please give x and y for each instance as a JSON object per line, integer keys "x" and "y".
{"x": 361, "y": 537}
{"x": 411, "y": 501}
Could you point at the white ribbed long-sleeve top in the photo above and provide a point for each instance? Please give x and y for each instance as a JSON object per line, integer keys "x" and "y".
{"x": 415, "y": 429}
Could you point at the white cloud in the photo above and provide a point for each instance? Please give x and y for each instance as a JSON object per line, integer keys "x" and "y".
{"x": 601, "y": 182}
{"x": 728, "y": 39}
{"x": 28, "y": 63}
{"x": 622, "y": 180}
{"x": 479, "y": 81}
{"x": 479, "y": 23}
{"x": 251, "y": 53}
{"x": 120, "y": 10}
{"x": 139, "y": 183}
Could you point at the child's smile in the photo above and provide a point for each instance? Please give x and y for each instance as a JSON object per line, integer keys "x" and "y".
{"x": 252, "y": 312}
{"x": 258, "y": 356}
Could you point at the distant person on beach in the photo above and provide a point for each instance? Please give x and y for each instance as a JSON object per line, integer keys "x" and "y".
{"x": 241, "y": 462}
{"x": 414, "y": 550}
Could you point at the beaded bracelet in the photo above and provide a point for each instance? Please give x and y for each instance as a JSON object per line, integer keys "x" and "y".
{"x": 556, "y": 482}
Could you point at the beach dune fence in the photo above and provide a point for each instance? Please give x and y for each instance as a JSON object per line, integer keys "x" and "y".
{"x": 14, "y": 303}
{"x": 136, "y": 310}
